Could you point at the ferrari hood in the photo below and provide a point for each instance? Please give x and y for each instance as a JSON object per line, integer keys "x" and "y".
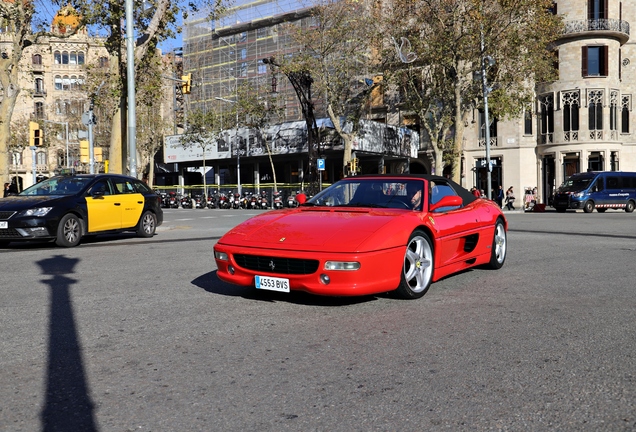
{"x": 309, "y": 229}
{"x": 16, "y": 203}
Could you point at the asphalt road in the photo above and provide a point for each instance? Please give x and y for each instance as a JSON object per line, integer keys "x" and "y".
{"x": 128, "y": 334}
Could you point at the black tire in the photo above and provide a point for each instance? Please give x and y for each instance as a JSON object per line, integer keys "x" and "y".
{"x": 560, "y": 209}
{"x": 69, "y": 231}
{"x": 588, "y": 207}
{"x": 601, "y": 210}
{"x": 418, "y": 266}
{"x": 499, "y": 246}
{"x": 629, "y": 207}
{"x": 147, "y": 224}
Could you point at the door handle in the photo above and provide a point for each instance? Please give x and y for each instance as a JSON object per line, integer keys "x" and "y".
{"x": 140, "y": 202}
{"x": 117, "y": 204}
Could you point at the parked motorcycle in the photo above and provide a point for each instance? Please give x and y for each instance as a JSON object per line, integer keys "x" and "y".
{"x": 224, "y": 201}
{"x": 211, "y": 200}
{"x": 236, "y": 200}
{"x": 171, "y": 200}
{"x": 253, "y": 201}
{"x": 186, "y": 202}
{"x": 264, "y": 202}
{"x": 198, "y": 201}
{"x": 291, "y": 200}
{"x": 277, "y": 200}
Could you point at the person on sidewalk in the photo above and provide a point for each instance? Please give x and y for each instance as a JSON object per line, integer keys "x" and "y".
{"x": 500, "y": 196}
{"x": 510, "y": 198}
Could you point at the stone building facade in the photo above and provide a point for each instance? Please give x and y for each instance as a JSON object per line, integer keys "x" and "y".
{"x": 52, "y": 76}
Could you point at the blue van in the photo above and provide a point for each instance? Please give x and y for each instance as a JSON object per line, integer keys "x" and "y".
{"x": 597, "y": 190}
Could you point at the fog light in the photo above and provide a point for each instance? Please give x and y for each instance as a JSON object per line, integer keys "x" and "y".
{"x": 230, "y": 269}
{"x": 325, "y": 279}
{"x": 342, "y": 265}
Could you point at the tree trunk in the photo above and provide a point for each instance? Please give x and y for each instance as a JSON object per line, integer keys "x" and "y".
{"x": 458, "y": 137}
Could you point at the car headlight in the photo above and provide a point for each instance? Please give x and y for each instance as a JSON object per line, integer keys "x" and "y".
{"x": 39, "y": 211}
{"x": 577, "y": 195}
{"x": 221, "y": 256}
{"x": 342, "y": 265}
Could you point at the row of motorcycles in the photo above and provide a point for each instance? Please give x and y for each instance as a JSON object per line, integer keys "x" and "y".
{"x": 230, "y": 200}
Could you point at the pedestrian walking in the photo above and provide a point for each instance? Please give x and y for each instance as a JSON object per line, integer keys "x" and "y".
{"x": 510, "y": 198}
{"x": 499, "y": 197}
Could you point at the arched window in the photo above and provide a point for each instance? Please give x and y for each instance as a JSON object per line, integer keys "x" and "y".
{"x": 65, "y": 57}
{"x": 58, "y": 82}
{"x": 36, "y": 59}
{"x": 595, "y": 113}
{"x": 103, "y": 62}
{"x": 16, "y": 158}
{"x": 80, "y": 82}
{"x": 39, "y": 110}
{"x": 73, "y": 58}
{"x": 74, "y": 85}
{"x": 66, "y": 82}
{"x": 40, "y": 158}
{"x": 39, "y": 85}
{"x": 625, "y": 108}
{"x": 58, "y": 57}
{"x": 80, "y": 58}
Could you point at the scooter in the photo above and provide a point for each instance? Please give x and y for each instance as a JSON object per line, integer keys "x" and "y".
{"x": 278, "y": 200}
{"x": 224, "y": 202}
{"x": 264, "y": 201}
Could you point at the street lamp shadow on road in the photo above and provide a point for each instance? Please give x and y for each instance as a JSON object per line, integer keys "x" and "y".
{"x": 212, "y": 284}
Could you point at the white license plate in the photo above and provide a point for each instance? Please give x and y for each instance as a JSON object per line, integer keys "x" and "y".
{"x": 4, "y": 225}
{"x": 271, "y": 283}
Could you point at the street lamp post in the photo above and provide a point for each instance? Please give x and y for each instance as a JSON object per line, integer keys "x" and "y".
{"x": 236, "y": 138}
{"x": 486, "y": 61}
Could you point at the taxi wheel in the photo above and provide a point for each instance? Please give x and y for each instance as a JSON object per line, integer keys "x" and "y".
{"x": 69, "y": 231}
{"x": 147, "y": 224}
{"x": 417, "y": 270}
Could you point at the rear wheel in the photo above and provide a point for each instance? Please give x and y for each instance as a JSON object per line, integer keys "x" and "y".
{"x": 499, "y": 246}
{"x": 629, "y": 207}
{"x": 588, "y": 207}
{"x": 417, "y": 269}
{"x": 69, "y": 231}
{"x": 147, "y": 224}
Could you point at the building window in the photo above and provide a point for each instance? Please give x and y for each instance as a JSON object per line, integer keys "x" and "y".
{"x": 73, "y": 58}
{"x": 16, "y": 158}
{"x": 243, "y": 71}
{"x": 594, "y": 61}
{"x": 39, "y": 110}
{"x": 570, "y": 102}
{"x": 65, "y": 57}
{"x": 39, "y": 86}
{"x": 262, "y": 67}
{"x": 58, "y": 57}
{"x": 527, "y": 121}
{"x": 243, "y": 53}
{"x": 36, "y": 59}
{"x": 613, "y": 114}
{"x": 40, "y": 158}
{"x": 596, "y": 9}
{"x": 80, "y": 58}
{"x": 103, "y": 62}
{"x": 625, "y": 105}
{"x": 546, "y": 124}
{"x": 66, "y": 83}
{"x": 492, "y": 129}
{"x": 595, "y": 113}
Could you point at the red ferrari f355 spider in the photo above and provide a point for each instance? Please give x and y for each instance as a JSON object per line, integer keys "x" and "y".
{"x": 366, "y": 235}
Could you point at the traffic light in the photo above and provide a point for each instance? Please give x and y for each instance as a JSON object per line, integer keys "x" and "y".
{"x": 186, "y": 83}
{"x": 97, "y": 154}
{"x": 354, "y": 166}
{"x": 84, "y": 152}
{"x": 36, "y": 136}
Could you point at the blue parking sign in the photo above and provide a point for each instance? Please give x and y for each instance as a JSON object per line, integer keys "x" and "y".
{"x": 321, "y": 164}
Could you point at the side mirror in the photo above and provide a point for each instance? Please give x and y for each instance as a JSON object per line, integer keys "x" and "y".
{"x": 447, "y": 201}
{"x": 97, "y": 194}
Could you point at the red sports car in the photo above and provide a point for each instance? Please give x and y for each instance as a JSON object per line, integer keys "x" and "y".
{"x": 366, "y": 235}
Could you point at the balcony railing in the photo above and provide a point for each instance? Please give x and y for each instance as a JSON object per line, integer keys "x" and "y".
{"x": 493, "y": 142}
{"x": 602, "y": 25}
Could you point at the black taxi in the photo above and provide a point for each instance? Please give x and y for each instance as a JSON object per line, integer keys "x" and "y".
{"x": 66, "y": 207}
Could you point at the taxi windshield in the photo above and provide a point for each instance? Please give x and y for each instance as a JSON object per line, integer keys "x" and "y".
{"x": 57, "y": 186}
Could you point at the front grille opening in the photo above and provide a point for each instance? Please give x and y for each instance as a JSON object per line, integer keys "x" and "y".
{"x": 276, "y": 265}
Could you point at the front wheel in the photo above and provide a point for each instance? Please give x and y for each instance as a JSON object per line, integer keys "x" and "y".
{"x": 588, "y": 207}
{"x": 629, "y": 207}
{"x": 417, "y": 270}
{"x": 499, "y": 246}
{"x": 69, "y": 231}
{"x": 147, "y": 224}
